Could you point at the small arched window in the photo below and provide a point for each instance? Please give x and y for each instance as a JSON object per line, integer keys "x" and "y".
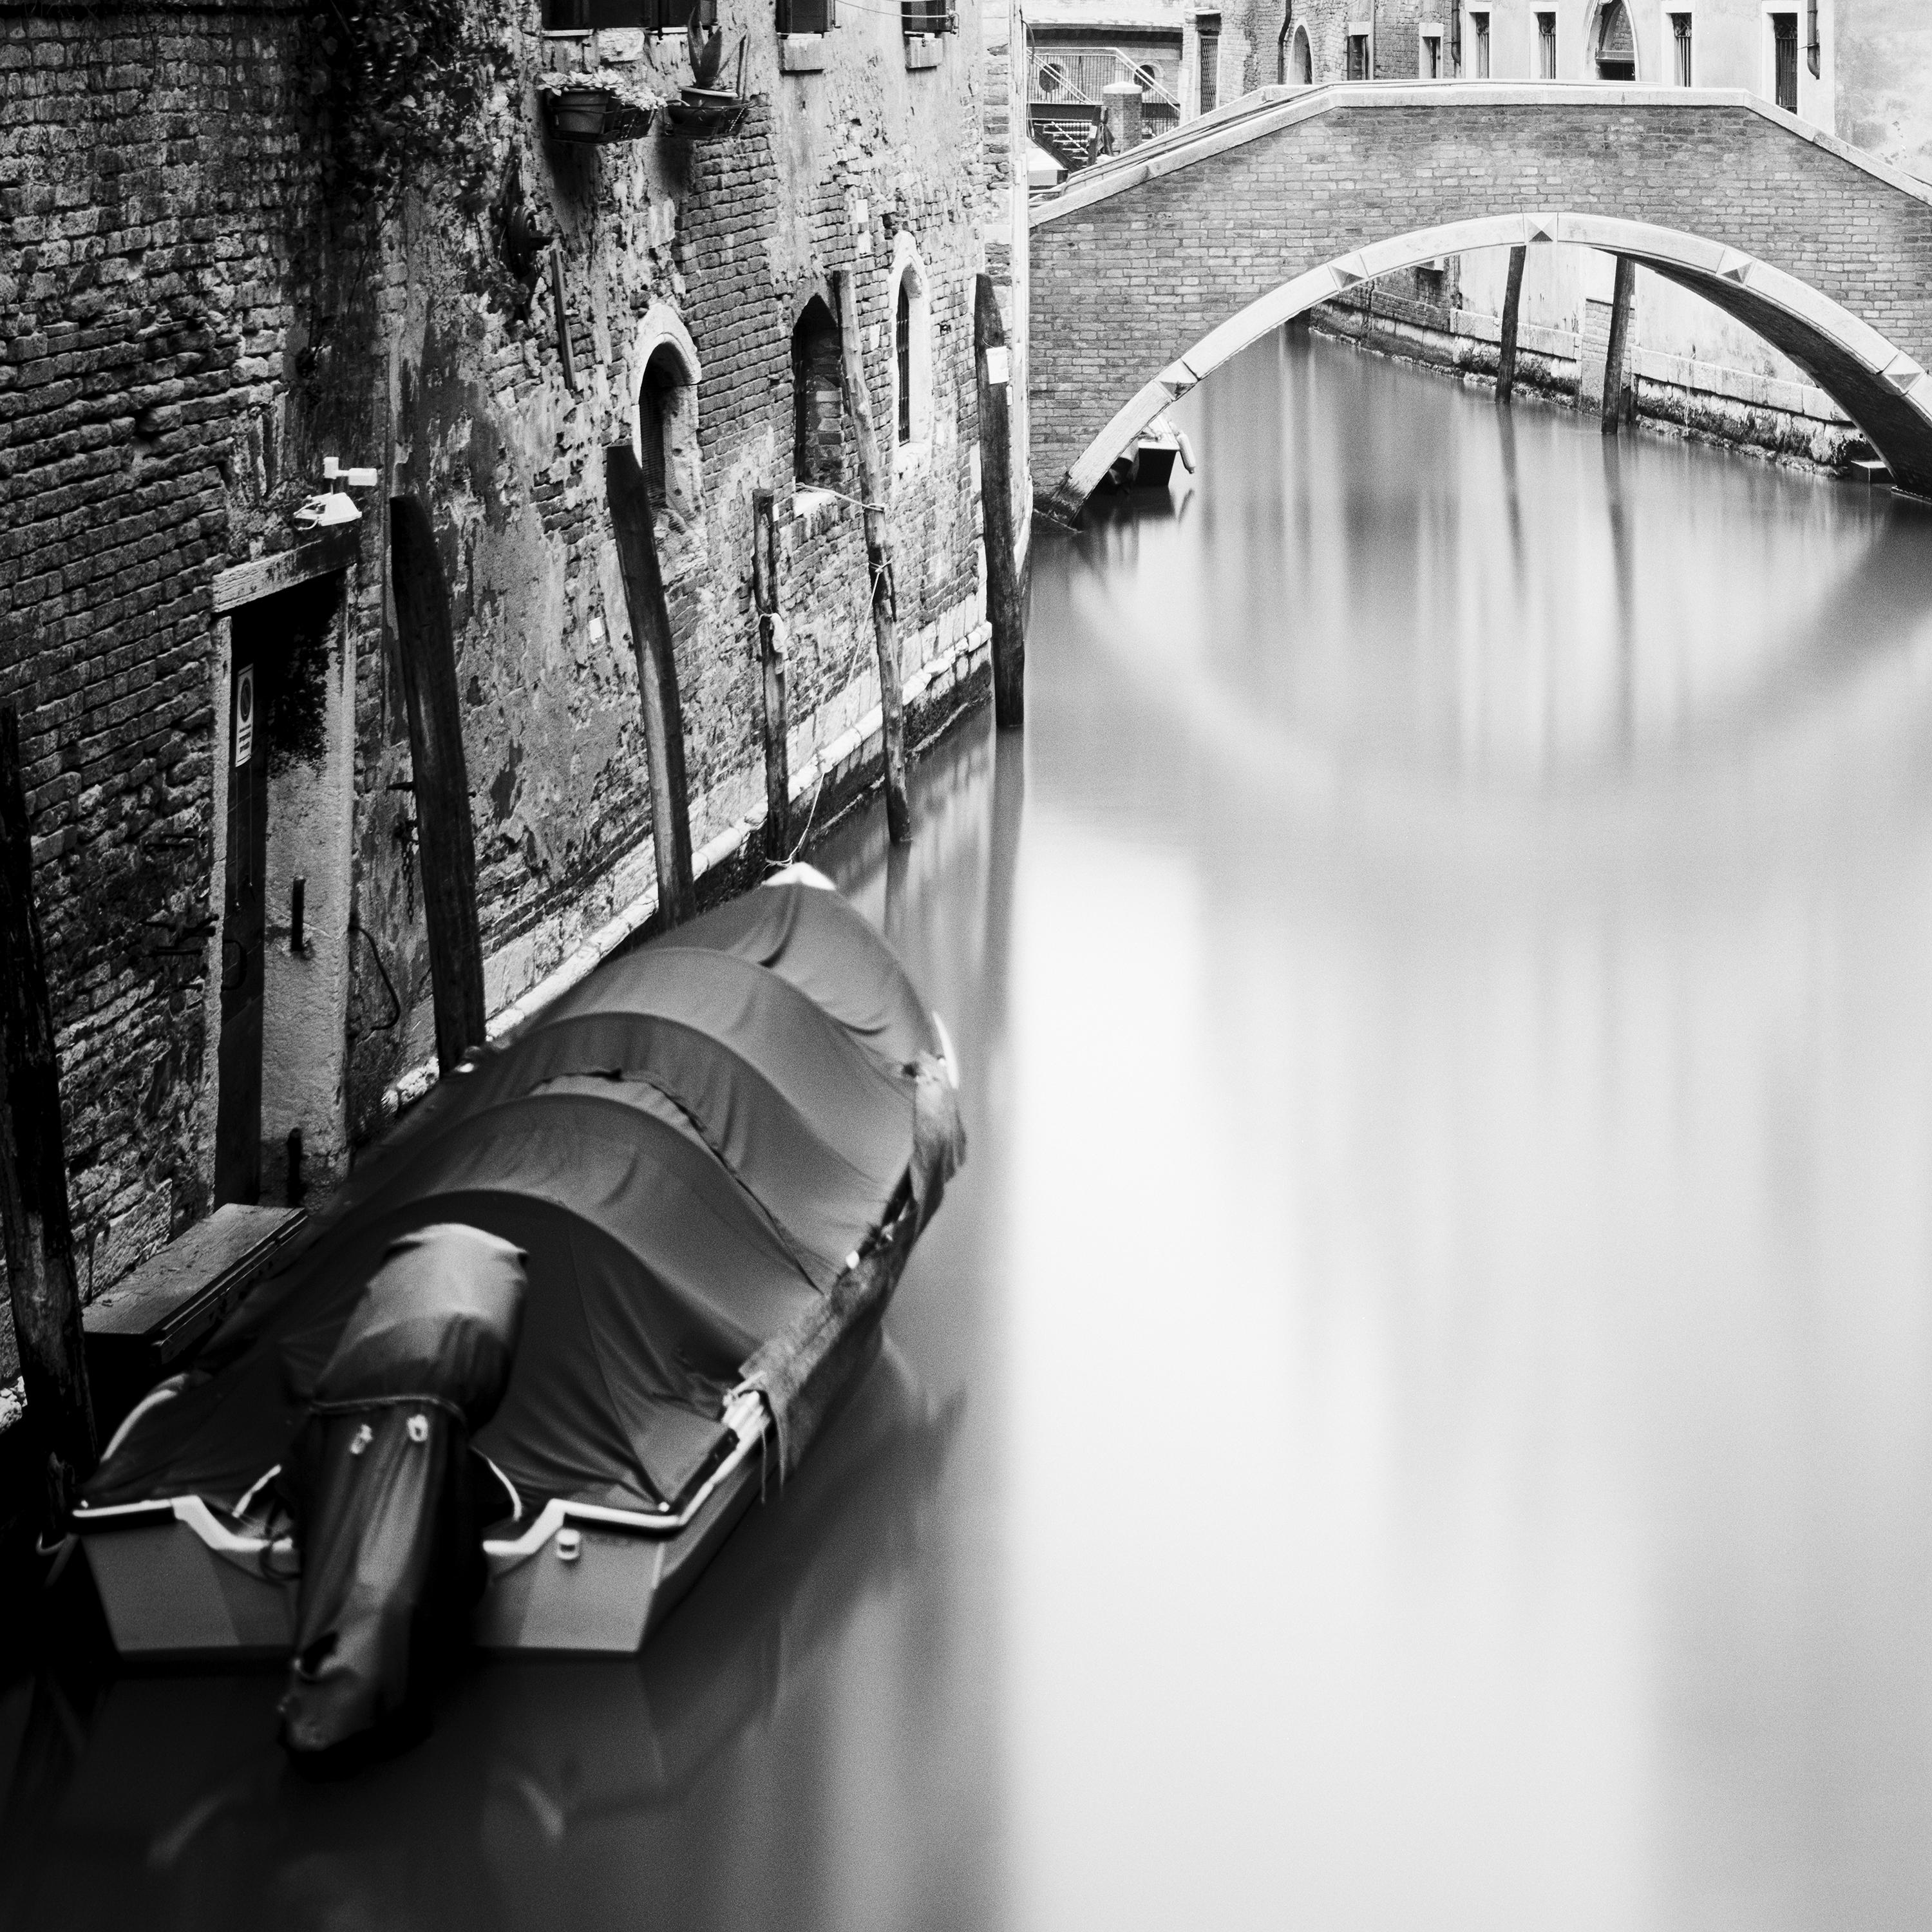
{"x": 664, "y": 422}
{"x": 912, "y": 347}
{"x": 818, "y": 399}
{"x": 1301, "y": 60}
{"x": 1052, "y": 79}
{"x": 902, "y": 348}
{"x": 657, "y": 415}
{"x": 1616, "y": 45}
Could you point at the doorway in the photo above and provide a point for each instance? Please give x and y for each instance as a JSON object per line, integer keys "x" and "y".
{"x": 282, "y": 648}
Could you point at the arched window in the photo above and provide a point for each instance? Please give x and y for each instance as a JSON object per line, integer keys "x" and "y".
{"x": 1052, "y": 79}
{"x": 1616, "y": 45}
{"x": 912, "y": 346}
{"x": 665, "y": 421}
{"x": 657, "y": 406}
{"x": 818, "y": 399}
{"x": 902, "y": 355}
{"x": 1301, "y": 60}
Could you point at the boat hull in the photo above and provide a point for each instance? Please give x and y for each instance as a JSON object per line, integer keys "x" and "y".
{"x": 171, "y": 1597}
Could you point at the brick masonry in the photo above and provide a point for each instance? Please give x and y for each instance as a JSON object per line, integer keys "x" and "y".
{"x": 156, "y": 199}
{"x": 187, "y": 326}
{"x": 1123, "y": 286}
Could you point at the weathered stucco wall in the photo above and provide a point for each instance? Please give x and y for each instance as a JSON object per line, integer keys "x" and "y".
{"x": 830, "y": 171}
{"x": 1884, "y": 57}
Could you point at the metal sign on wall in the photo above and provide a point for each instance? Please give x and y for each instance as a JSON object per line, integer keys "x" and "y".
{"x": 244, "y": 714}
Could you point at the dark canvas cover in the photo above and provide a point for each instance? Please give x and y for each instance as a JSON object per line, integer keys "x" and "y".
{"x": 653, "y": 1275}
{"x": 822, "y": 944}
{"x": 686, "y": 1148}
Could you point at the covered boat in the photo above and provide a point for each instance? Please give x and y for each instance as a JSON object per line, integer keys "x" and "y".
{"x": 607, "y": 1286}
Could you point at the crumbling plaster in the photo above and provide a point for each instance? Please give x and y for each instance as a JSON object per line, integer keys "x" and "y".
{"x": 831, "y": 171}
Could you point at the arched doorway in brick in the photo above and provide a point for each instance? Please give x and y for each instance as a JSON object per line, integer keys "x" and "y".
{"x": 818, "y": 397}
{"x": 665, "y": 372}
{"x": 1611, "y": 40}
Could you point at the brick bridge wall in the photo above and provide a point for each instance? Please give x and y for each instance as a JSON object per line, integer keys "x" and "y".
{"x": 1123, "y": 286}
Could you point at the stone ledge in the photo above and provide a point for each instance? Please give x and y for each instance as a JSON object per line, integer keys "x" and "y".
{"x": 801, "y": 53}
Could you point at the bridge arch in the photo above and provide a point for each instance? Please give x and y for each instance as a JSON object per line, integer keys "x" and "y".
{"x": 1876, "y": 384}
{"x": 1151, "y": 271}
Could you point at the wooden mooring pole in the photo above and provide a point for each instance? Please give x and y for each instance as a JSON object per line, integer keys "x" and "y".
{"x": 1618, "y": 352}
{"x": 446, "y": 835}
{"x": 878, "y": 560}
{"x": 1006, "y": 603}
{"x": 35, "y": 1224}
{"x": 1512, "y": 309}
{"x": 633, "y": 525}
{"x": 772, "y": 666}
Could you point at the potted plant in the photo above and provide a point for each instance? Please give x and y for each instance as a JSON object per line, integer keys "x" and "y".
{"x": 588, "y": 108}
{"x": 706, "y": 111}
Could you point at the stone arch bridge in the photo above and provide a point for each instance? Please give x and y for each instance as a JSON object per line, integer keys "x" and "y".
{"x": 1149, "y": 271}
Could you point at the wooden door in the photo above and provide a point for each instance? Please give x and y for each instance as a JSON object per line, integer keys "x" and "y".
{"x": 238, "y": 1130}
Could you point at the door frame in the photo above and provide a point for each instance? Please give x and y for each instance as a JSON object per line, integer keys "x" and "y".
{"x": 305, "y": 1076}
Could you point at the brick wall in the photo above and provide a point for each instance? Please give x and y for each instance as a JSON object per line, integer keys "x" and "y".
{"x": 1112, "y": 304}
{"x": 828, "y": 171}
{"x": 157, "y": 197}
{"x": 186, "y": 327}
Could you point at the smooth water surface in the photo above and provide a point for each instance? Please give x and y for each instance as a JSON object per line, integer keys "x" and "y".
{"x": 1418, "y": 1413}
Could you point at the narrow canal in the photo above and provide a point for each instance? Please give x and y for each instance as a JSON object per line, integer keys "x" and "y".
{"x": 1418, "y": 1414}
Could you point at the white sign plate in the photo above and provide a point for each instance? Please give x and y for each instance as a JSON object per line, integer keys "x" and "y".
{"x": 997, "y": 370}
{"x": 244, "y": 714}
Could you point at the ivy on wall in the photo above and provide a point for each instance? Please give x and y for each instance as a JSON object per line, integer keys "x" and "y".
{"x": 402, "y": 85}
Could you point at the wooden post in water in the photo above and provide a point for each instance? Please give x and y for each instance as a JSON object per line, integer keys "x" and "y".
{"x": 445, "y": 835}
{"x": 631, "y": 523}
{"x": 1006, "y": 605}
{"x": 1617, "y": 353}
{"x": 35, "y": 1226}
{"x": 879, "y": 560}
{"x": 772, "y": 665}
{"x": 1512, "y": 308}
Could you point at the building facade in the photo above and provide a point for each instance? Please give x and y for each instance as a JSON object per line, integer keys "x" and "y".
{"x": 236, "y": 251}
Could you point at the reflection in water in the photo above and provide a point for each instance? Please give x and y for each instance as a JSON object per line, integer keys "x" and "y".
{"x": 549, "y": 1793}
{"x": 1418, "y": 1411}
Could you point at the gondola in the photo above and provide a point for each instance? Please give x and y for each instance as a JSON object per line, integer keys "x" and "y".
{"x": 531, "y": 1370}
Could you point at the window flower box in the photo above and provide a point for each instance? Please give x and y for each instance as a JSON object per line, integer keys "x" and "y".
{"x": 595, "y": 109}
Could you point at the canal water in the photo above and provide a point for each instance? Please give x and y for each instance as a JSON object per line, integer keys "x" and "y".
{"x": 1418, "y": 1413}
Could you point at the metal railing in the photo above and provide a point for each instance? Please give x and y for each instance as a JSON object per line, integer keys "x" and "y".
{"x": 1083, "y": 74}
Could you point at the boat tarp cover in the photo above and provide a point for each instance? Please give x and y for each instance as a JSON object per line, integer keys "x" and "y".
{"x": 665, "y": 1245}
{"x": 820, "y": 943}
